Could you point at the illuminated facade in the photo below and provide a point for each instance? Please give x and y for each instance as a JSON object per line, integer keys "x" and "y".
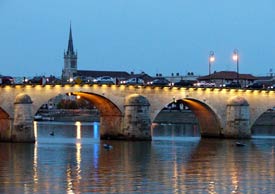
{"x": 214, "y": 108}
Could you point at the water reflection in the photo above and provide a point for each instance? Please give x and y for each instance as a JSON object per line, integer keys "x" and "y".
{"x": 73, "y": 163}
{"x": 96, "y": 130}
{"x": 35, "y": 165}
{"x": 175, "y": 130}
{"x": 72, "y": 131}
{"x": 78, "y": 130}
{"x": 35, "y": 129}
{"x": 74, "y": 174}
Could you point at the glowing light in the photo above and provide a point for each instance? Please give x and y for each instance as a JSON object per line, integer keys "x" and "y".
{"x": 38, "y": 87}
{"x": 212, "y": 59}
{"x": 67, "y": 86}
{"x": 78, "y": 97}
{"x": 235, "y": 56}
{"x": 86, "y": 86}
{"x": 7, "y": 87}
{"x": 47, "y": 87}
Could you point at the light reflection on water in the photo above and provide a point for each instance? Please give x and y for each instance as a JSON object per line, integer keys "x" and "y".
{"x": 71, "y": 163}
{"x": 69, "y": 132}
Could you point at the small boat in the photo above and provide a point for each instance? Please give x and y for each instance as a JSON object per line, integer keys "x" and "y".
{"x": 239, "y": 144}
{"x": 107, "y": 146}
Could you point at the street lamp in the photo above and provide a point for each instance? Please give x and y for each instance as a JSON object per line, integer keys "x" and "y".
{"x": 236, "y": 58}
{"x": 211, "y": 59}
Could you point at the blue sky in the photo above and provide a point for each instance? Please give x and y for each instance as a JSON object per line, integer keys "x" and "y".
{"x": 154, "y": 36}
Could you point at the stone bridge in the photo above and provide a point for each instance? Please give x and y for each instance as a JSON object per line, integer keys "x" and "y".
{"x": 126, "y": 112}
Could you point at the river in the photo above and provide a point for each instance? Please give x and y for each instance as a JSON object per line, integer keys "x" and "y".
{"x": 73, "y": 160}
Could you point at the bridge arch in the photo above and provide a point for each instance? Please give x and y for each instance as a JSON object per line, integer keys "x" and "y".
{"x": 110, "y": 114}
{"x": 209, "y": 122}
{"x": 5, "y": 124}
{"x": 103, "y": 104}
{"x": 263, "y": 124}
{"x": 3, "y": 114}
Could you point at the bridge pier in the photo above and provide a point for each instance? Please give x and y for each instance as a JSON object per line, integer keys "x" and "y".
{"x": 110, "y": 127}
{"x": 137, "y": 123}
{"x": 237, "y": 119}
{"x": 22, "y": 129}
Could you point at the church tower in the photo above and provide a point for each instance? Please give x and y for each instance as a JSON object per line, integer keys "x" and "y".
{"x": 70, "y": 60}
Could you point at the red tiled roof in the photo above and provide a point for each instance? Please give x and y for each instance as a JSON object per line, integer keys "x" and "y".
{"x": 229, "y": 75}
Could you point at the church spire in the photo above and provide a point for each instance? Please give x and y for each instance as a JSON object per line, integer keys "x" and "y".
{"x": 70, "y": 43}
{"x": 70, "y": 60}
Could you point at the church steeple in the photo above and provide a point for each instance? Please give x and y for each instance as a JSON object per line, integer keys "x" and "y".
{"x": 70, "y": 43}
{"x": 70, "y": 60}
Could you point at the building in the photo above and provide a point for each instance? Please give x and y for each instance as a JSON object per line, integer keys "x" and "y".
{"x": 226, "y": 77}
{"x": 70, "y": 60}
{"x": 88, "y": 76}
{"x": 176, "y": 77}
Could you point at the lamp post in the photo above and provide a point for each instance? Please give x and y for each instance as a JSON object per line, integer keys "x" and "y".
{"x": 211, "y": 59}
{"x": 236, "y": 58}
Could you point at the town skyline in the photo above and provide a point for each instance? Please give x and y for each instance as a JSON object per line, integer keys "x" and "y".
{"x": 153, "y": 37}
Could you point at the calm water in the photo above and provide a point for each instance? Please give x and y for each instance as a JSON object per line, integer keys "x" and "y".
{"x": 74, "y": 161}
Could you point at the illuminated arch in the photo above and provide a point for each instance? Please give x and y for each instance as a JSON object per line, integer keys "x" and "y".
{"x": 110, "y": 114}
{"x": 209, "y": 123}
{"x": 4, "y": 124}
{"x": 3, "y": 114}
{"x": 104, "y": 105}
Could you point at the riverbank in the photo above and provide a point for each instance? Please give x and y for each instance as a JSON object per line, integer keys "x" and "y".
{"x": 165, "y": 116}
{"x": 63, "y": 115}
{"x": 176, "y": 117}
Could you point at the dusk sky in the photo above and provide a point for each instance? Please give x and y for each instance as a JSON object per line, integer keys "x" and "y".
{"x": 154, "y": 36}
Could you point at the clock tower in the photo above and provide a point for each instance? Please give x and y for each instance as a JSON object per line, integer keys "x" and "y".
{"x": 70, "y": 60}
